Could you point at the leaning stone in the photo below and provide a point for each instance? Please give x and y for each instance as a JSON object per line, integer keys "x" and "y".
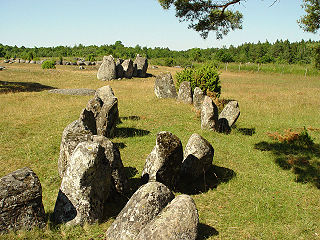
{"x": 231, "y": 113}
{"x": 209, "y": 114}
{"x": 144, "y": 205}
{"x": 85, "y": 186}
{"x": 127, "y": 66}
{"x": 107, "y": 70}
{"x": 142, "y": 66}
{"x": 178, "y": 220}
{"x": 198, "y": 97}
{"x": 163, "y": 164}
{"x": 185, "y": 93}
{"x": 164, "y": 86}
{"x": 198, "y": 155}
{"x": 21, "y": 201}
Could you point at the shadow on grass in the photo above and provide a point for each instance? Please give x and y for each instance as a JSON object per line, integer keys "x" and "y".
{"x": 14, "y": 87}
{"x": 120, "y": 145}
{"x": 205, "y": 231}
{"x": 304, "y": 160}
{"x": 133, "y": 118}
{"x": 246, "y": 131}
{"x": 125, "y": 132}
{"x": 210, "y": 180}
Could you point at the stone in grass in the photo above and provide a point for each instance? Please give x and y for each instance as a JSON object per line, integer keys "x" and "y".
{"x": 142, "y": 66}
{"x": 185, "y": 92}
{"x": 107, "y": 70}
{"x": 144, "y": 205}
{"x": 21, "y": 201}
{"x": 128, "y": 69}
{"x": 198, "y": 97}
{"x": 85, "y": 186}
{"x": 119, "y": 68}
{"x": 231, "y": 113}
{"x": 178, "y": 220}
{"x": 163, "y": 164}
{"x": 164, "y": 86}
{"x": 198, "y": 156}
{"x": 209, "y": 114}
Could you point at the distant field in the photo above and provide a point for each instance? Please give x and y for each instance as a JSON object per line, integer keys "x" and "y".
{"x": 256, "y": 198}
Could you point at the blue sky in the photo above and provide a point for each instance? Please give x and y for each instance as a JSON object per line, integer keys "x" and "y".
{"x": 95, "y": 22}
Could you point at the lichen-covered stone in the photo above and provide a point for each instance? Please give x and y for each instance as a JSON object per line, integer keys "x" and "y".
{"x": 198, "y": 97}
{"x": 21, "y": 201}
{"x": 142, "y": 66}
{"x": 185, "y": 92}
{"x": 85, "y": 186}
{"x": 231, "y": 113}
{"x": 209, "y": 114}
{"x": 198, "y": 156}
{"x": 144, "y": 205}
{"x": 178, "y": 220}
{"x": 164, "y": 86}
{"x": 107, "y": 70}
{"x": 163, "y": 164}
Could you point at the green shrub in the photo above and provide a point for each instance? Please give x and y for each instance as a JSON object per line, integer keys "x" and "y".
{"x": 49, "y": 64}
{"x": 170, "y": 62}
{"x": 205, "y": 77}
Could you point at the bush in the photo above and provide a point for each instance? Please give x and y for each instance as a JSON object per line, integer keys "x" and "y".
{"x": 206, "y": 77}
{"x": 49, "y": 64}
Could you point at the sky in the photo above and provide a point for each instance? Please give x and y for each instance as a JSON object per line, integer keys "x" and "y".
{"x": 44, "y": 23}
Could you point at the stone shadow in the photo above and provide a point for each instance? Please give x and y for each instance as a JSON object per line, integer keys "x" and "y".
{"x": 246, "y": 131}
{"x": 209, "y": 180}
{"x": 205, "y": 231}
{"x": 133, "y": 118}
{"x": 302, "y": 158}
{"x": 125, "y": 132}
{"x": 15, "y": 87}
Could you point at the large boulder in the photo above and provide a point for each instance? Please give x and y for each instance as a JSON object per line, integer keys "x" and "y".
{"x": 127, "y": 66}
{"x": 185, "y": 92}
{"x": 107, "y": 70}
{"x": 21, "y": 201}
{"x": 119, "y": 68}
{"x": 209, "y": 114}
{"x": 164, "y": 86}
{"x": 163, "y": 164}
{"x": 178, "y": 220}
{"x": 142, "y": 66}
{"x": 198, "y": 97}
{"x": 144, "y": 205}
{"x": 85, "y": 186}
{"x": 230, "y": 112}
{"x": 198, "y": 155}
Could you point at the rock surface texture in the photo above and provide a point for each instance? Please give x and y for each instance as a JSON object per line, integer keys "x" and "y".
{"x": 164, "y": 86}
{"x": 185, "y": 93}
{"x": 127, "y": 66}
{"x": 198, "y": 156}
{"x": 231, "y": 113}
{"x": 85, "y": 186}
{"x": 163, "y": 164}
{"x": 209, "y": 114}
{"x": 21, "y": 201}
{"x": 144, "y": 205}
{"x": 198, "y": 97}
{"x": 178, "y": 220}
{"x": 142, "y": 66}
{"x": 107, "y": 70}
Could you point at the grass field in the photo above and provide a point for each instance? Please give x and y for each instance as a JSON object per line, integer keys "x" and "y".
{"x": 256, "y": 197}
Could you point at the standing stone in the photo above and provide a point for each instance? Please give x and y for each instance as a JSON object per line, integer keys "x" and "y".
{"x": 231, "y": 113}
{"x": 135, "y": 70}
{"x": 164, "y": 162}
{"x": 119, "y": 68}
{"x": 209, "y": 114}
{"x": 198, "y": 155}
{"x": 21, "y": 201}
{"x": 127, "y": 66}
{"x": 164, "y": 86}
{"x": 144, "y": 205}
{"x": 185, "y": 93}
{"x": 198, "y": 97}
{"x": 107, "y": 70}
{"x": 85, "y": 186}
{"x": 142, "y": 66}
{"x": 178, "y": 220}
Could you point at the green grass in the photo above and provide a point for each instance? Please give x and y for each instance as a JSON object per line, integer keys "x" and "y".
{"x": 259, "y": 200}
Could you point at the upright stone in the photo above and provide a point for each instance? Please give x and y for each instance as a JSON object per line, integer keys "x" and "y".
{"x": 127, "y": 66}
{"x": 231, "y": 113}
{"x": 142, "y": 66}
{"x": 164, "y": 86}
{"x": 144, "y": 205}
{"x": 198, "y": 155}
{"x": 185, "y": 93}
{"x": 178, "y": 220}
{"x": 107, "y": 70}
{"x": 209, "y": 114}
{"x": 119, "y": 68}
{"x": 163, "y": 164}
{"x": 198, "y": 97}
{"x": 85, "y": 186}
{"x": 21, "y": 201}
